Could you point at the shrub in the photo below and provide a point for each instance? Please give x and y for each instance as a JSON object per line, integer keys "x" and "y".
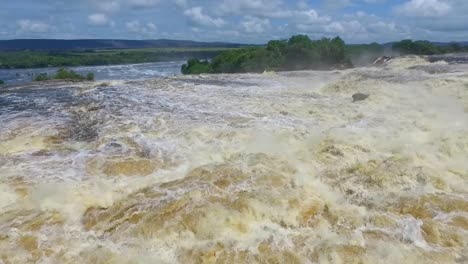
{"x": 420, "y": 47}
{"x": 41, "y": 77}
{"x": 2, "y": 82}
{"x": 90, "y": 76}
{"x": 64, "y": 74}
{"x": 232, "y": 61}
{"x": 195, "y": 66}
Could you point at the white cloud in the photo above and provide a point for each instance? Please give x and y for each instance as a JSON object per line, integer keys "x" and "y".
{"x": 143, "y": 3}
{"x": 302, "y": 4}
{"x": 374, "y": 1}
{"x": 381, "y": 26}
{"x": 335, "y": 28}
{"x": 259, "y": 8}
{"x": 33, "y": 26}
{"x": 424, "y": 8}
{"x": 336, "y": 4}
{"x": 133, "y": 26}
{"x": 255, "y": 25}
{"x": 151, "y": 26}
{"x": 109, "y": 6}
{"x": 181, "y": 3}
{"x": 197, "y": 17}
{"x": 358, "y": 27}
{"x": 309, "y": 17}
{"x": 98, "y": 19}
{"x": 146, "y": 29}
{"x": 253, "y": 21}
{"x": 435, "y": 19}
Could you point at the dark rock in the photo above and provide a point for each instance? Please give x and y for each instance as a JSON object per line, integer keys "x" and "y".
{"x": 359, "y": 97}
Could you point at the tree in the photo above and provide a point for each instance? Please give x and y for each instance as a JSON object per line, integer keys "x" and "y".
{"x": 420, "y": 47}
{"x": 297, "y": 53}
{"x": 300, "y": 40}
{"x": 195, "y": 66}
{"x": 337, "y": 49}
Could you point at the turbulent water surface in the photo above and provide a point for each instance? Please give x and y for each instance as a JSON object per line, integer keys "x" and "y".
{"x": 254, "y": 168}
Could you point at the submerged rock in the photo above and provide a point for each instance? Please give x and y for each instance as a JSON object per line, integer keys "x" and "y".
{"x": 129, "y": 167}
{"x": 359, "y": 97}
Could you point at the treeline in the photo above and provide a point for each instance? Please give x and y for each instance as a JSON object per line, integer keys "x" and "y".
{"x": 41, "y": 59}
{"x": 302, "y": 53}
{"x": 424, "y": 47}
{"x": 297, "y": 53}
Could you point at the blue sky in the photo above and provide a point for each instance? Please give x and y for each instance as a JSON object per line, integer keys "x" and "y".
{"x": 243, "y": 21}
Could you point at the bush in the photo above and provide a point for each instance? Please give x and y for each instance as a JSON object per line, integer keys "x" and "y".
{"x": 90, "y": 76}
{"x": 2, "y": 82}
{"x": 41, "y": 77}
{"x": 232, "y": 61}
{"x": 420, "y": 47}
{"x": 64, "y": 74}
{"x": 195, "y": 66}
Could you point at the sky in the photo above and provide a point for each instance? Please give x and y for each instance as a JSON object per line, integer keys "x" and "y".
{"x": 239, "y": 21}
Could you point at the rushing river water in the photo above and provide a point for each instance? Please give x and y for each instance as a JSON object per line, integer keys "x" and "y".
{"x": 252, "y": 168}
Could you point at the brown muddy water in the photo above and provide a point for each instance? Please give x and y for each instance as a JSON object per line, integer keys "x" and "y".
{"x": 253, "y": 168}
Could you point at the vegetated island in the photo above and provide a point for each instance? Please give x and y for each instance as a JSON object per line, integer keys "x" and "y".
{"x": 302, "y": 53}
{"x": 64, "y": 74}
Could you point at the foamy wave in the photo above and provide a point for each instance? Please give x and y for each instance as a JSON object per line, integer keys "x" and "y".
{"x": 254, "y": 168}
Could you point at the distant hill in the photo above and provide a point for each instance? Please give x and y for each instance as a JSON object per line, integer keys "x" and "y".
{"x": 439, "y": 44}
{"x": 442, "y": 44}
{"x": 87, "y": 44}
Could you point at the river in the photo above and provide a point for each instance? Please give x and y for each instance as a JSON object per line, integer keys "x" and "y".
{"x": 102, "y": 73}
{"x": 238, "y": 168}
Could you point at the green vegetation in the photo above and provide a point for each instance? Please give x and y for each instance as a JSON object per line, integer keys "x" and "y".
{"x": 43, "y": 59}
{"x": 2, "y": 82}
{"x": 41, "y": 77}
{"x": 64, "y": 74}
{"x": 90, "y": 76}
{"x": 195, "y": 66}
{"x": 302, "y": 53}
{"x": 362, "y": 54}
{"x": 297, "y": 53}
{"x": 423, "y": 47}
